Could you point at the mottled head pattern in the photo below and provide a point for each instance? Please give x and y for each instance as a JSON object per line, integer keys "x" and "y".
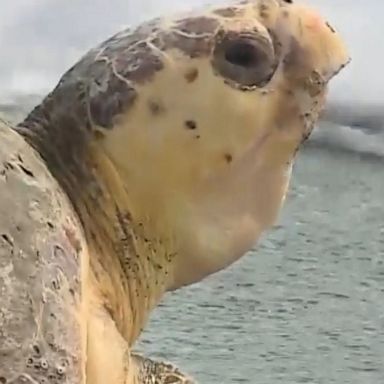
{"x": 243, "y": 42}
{"x": 201, "y": 116}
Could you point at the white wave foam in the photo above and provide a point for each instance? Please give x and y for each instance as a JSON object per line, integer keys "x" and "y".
{"x": 348, "y": 139}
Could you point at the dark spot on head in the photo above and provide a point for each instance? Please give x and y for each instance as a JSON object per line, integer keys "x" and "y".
{"x": 330, "y": 27}
{"x": 191, "y": 75}
{"x": 3, "y": 380}
{"x": 288, "y": 1}
{"x": 155, "y": 107}
{"x": 228, "y": 158}
{"x": 190, "y": 124}
{"x": 285, "y": 13}
{"x": 98, "y": 134}
{"x": 226, "y": 12}
{"x": 263, "y": 10}
{"x": 245, "y": 60}
{"x": 197, "y": 136}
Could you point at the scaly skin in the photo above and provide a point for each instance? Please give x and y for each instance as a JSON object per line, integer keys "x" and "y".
{"x": 174, "y": 142}
{"x": 43, "y": 270}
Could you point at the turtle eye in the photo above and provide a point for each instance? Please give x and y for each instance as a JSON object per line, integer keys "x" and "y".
{"x": 242, "y": 54}
{"x": 244, "y": 61}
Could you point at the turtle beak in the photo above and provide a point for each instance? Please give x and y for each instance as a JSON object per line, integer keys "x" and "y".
{"x": 312, "y": 45}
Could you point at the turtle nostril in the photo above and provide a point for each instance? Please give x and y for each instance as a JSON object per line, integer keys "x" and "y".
{"x": 242, "y": 54}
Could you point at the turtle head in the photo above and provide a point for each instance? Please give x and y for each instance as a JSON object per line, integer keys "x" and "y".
{"x": 200, "y": 117}
{"x": 206, "y": 148}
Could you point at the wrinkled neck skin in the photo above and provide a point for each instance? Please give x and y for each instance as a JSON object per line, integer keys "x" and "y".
{"x": 130, "y": 267}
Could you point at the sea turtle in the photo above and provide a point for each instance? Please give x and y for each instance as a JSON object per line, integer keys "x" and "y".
{"x": 173, "y": 142}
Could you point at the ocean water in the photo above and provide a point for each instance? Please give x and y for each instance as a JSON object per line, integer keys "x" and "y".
{"x": 307, "y": 305}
